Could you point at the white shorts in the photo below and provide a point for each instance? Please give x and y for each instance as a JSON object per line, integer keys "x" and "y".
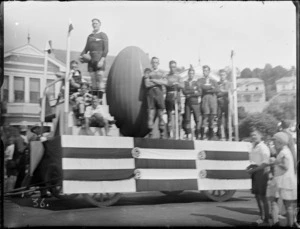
{"x": 288, "y": 194}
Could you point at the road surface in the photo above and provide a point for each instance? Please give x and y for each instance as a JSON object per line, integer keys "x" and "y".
{"x": 134, "y": 209}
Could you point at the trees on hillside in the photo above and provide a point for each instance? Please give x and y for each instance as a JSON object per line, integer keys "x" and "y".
{"x": 269, "y": 75}
{"x": 282, "y": 110}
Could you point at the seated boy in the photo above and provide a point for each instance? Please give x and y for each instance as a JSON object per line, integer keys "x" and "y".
{"x": 96, "y": 116}
{"x": 82, "y": 99}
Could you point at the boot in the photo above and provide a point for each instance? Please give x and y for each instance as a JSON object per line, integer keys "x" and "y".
{"x": 202, "y": 133}
{"x": 197, "y": 134}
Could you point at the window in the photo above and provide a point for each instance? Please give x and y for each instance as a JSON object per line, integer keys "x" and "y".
{"x": 51, "y": 90}
{"x": 247, "y": 98}
{"x": 5, "y": 89}
{"x": 19, "y": 87}
{"x": 257, "y": 97}
{"x": 34, "y": 90}
{"x": 256, "y": 88}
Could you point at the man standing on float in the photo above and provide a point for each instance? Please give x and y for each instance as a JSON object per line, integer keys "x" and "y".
{"x": 210, "y": 88}
{"x": 192, "y": 92}
{"x": 154, "y": 83}
{"x": 97, "y": 47}
{"x": 173, "y": 87}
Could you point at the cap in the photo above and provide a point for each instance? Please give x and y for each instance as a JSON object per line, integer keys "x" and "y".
{"x": 23, "y": 128}
{"x": 282, "y": 137}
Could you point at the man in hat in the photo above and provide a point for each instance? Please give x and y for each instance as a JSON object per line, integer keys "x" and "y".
{"x": 209, "y": 88}
{"x": 154, "y": 82}
{"x": 97, "y": 47}
{"x": 223, "y": 102}
{"x": 23, "y": 147}
{"x": 173, "y": 88}
{"x": 76, "y": 77}
{"x": 284, "y": 180}
{"x": 192, "y": 92}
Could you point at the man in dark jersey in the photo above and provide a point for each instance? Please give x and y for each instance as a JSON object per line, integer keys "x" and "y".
{"x": 192, "y": 92}
{"x": 97, "y": 47}
{"x": 173, "y": 87}
{"x": 223, "y": 103}
{"x": 210, "y": 89}
{"x": 154, "y": 82}
{"x": 76, "y": 78}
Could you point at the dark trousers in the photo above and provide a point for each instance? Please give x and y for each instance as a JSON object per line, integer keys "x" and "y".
{"x": 195, "y": 109}
{"x": 222, "y": 112}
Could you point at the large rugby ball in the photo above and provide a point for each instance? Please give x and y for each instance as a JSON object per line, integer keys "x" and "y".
{"x": 125, "y": 92}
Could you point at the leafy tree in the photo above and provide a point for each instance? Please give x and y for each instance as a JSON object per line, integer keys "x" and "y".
{"x": 282, "y": 110}
{"x": 246, "y": 73}
{"x": 264, "y": 122}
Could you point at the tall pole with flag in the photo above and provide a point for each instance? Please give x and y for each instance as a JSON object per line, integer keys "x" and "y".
{"x": 234, "y": 96}
{"x": 67, "y": 84}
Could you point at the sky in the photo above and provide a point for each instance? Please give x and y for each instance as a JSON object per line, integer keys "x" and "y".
{"x": 259, "y": 33}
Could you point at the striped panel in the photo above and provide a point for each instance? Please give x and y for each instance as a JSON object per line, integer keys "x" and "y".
{"x": 97, "y": 175}
{"x": 97, "y": 164}
{"x": 219, "y": 184}
{"x": 226, "y": 155}
{"x": 99, "y": 186}
{"x": 68, "y": 152}
{"x": 163, "y": 143}
{"x": 161, "y": 164}
{"x": 222, "y": 165}
{"x": 166, "y": 174}
{"x": 97, "y": 142}
{"x": 227, "y": 174}
{"x": 168, "y": 154}
{"x": 222, "y": 146}
{"x": 166, "y": 185}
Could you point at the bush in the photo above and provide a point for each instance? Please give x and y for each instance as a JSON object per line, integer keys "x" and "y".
{"x": 282, "y": 110}
{"x": 264, "y": 122}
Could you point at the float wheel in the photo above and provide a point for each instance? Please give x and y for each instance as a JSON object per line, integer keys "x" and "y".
{"x": 219, "y": 195}
{"x": 102, "y": 199}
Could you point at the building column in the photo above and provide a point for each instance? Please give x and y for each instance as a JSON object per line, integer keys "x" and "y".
{"x": 27, "y": 90}
{"x": 11, "y": 96}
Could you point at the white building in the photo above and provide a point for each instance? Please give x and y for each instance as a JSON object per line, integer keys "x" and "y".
{"x": 24, "y": 82}
{"x": 286, "y": 90}
{"x": 251, "y": 94}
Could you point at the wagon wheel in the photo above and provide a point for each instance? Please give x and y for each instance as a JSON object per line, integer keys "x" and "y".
{"x": 172, "y": 193}
{"x": 53, "y": 179}
{"x": 102, "y": 199}
{"x": 219, "y": 195}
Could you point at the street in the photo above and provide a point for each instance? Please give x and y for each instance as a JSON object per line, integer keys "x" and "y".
{"x": 190, "y": 208}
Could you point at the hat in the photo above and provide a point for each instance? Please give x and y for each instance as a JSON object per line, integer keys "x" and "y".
{"x": 35, "y": 128}
{"x": 282, "y": 137}
{"x": 23, "y": 128}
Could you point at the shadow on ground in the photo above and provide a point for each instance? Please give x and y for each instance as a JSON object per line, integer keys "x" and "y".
{"x": 248, "y": 211}
{"x": 229, "y": 221}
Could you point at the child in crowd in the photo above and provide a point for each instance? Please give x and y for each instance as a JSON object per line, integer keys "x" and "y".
{"x": 81, "y": 100}
{"x": 284, "y": 182}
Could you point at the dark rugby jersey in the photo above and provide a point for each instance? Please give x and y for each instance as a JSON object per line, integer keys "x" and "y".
{"x": 206, "y": 86}
{"x": 97, "y": 42}
{"x": 192, "y": 90}
{"x": 158, "y": 74}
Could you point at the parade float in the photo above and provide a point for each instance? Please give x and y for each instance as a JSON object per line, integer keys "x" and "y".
{"x": 101, "y": 168}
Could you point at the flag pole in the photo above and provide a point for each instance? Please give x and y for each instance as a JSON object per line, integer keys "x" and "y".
{"x": 44, "y": 80}
{"x": 235, "y": 107}
{"x": 67, "y": 83}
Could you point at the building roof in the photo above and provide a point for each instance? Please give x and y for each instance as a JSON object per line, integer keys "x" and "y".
{"x": 74, "y": 55}
{"x": 249, "y": 80}
{"x": 286, "y": 79}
